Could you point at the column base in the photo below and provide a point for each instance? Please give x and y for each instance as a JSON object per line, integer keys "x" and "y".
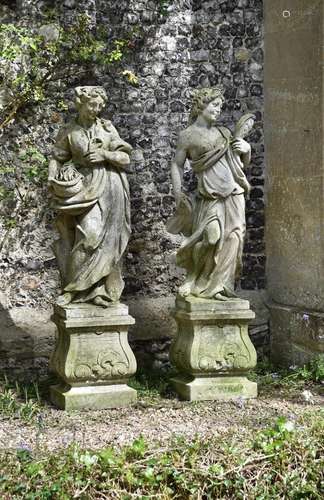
{"x": 92, "y": 397}
{"x": 296, "y": 335}
{"x": 214, "y": 388}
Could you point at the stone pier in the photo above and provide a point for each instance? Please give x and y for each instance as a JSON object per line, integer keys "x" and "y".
{"x": 92, "y": 357}
{"x": 212, "y": 350}
{"x": 294, "y": 115}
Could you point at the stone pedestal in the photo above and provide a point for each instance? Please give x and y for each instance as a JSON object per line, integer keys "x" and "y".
{"x": 92, "y": 357}
{"x": 294, "y": 123}
{"x": 212, "y": 350}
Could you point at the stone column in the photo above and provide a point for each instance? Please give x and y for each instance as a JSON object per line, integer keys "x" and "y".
{"x": 92, "y": 357}
{"x": 294, "y": 41}
{"x": 212, "y": 350}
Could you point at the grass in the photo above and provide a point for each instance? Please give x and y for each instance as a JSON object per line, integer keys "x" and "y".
{"x": 19, "y": 401}
{"x": 284, "y": 460}
{"x": 152, "y": 384}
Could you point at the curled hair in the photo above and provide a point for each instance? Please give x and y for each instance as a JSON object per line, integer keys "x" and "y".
{"x": 86, "y": 93}
{"x": 201, "y": 99}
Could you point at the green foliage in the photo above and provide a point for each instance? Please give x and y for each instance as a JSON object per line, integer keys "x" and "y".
{"x": 164, "y": 4}
{"x": 284, "y": 460}
{"x": 295, "y": 377}
{"x": 151, "y": 383}
{"x": 18, "y": 401}
{"x": 30, "y": 61}
{"x": 35, "y": 165}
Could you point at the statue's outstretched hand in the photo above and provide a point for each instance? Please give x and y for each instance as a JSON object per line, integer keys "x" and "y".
{"x": 241, "y": 146}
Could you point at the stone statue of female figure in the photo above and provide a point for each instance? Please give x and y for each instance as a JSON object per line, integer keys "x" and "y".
{"x": 215, "y": 223}
{"x": 91, "y": 194}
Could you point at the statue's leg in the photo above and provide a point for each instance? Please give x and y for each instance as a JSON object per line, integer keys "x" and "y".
{"x": 204, "y": 256}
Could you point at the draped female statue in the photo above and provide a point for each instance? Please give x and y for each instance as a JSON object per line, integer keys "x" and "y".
{"x": 214, "y": 224}
{"x": 90, "y": 192}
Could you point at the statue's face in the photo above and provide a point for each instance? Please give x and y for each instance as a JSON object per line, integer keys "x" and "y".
{"x": 213, "y": 110}
{"x": 92, "y": 107}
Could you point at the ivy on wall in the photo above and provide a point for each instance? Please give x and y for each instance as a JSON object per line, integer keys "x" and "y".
{"x": 31, "y": 59}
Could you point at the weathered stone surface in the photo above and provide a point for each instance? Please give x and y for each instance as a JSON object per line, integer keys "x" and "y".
{"x": 93, "y": 397}
{"x": 297, "y": 336}
{"x": 212, "y": 350}
{"x": 295, "y": 175}
{"x": 92, "y": 357}
{"x": 214, "y": 388}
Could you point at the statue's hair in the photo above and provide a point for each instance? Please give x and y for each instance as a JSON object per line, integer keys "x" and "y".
{"x": 88, "y": 92}
{"x": 242, "y": 121}
{"x": 201, "y": 99}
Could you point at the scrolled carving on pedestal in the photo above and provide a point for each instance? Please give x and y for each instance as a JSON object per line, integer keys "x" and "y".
{"x": 212, "y": 337}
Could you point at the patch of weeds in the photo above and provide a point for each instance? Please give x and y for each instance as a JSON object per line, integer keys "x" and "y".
{"x": 283, "y": 460}
{"x": 19, "y": 401}
{"x": 292, "y": 379}
{"x": 152, "y": 383}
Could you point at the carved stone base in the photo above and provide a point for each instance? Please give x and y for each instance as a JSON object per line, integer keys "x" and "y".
{"x": 93, "y": 397}
{"x": 212, "y": 349}
{"x": 214, "y": 388}
{"x": 92, "y": 357}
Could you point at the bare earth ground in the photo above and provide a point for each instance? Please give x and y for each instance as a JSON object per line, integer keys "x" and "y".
{"x": 156, "y": 418}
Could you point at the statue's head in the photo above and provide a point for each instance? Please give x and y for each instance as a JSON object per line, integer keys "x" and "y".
{"x": 208, "y": 103}
{"x": 244, "y": 125}
{"x": 90, "y": 100}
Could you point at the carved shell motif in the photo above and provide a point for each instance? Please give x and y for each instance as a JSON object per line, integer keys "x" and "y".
{"x": 230, "y": 356}
{"x": 109, "y": 364}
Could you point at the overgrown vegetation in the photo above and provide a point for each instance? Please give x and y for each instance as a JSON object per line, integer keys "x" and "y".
{"x": 33, "y": 58}
{"x": 284, "y": 460}
{"x": 20, "y": 401}
{"x": 292, "y": 379}
{"x": 281, "y": 458}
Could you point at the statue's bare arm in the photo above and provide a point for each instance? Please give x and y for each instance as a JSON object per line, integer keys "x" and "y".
{"x": 177, "y": 168}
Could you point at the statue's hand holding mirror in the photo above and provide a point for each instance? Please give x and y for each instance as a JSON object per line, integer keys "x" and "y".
{"x": 241, "y": 146}
{"x": 242, "y": 129}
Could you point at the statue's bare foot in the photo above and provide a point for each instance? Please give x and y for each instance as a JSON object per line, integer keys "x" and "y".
{"x": 98, "y": 301}
{"x": 220, "y": 296}
{"x": 185, "y": 289}
{"x": 64, "y": 299}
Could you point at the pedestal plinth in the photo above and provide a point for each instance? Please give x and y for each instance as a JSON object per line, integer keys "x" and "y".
{"x": 92, "y": 357}
{"x": 212, "y": 350}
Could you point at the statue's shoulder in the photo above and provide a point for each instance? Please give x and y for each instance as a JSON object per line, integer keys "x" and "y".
{"x": 65, "y": 130}
{"x": 185, "y": 136}
{"x": 107, "y": 125}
